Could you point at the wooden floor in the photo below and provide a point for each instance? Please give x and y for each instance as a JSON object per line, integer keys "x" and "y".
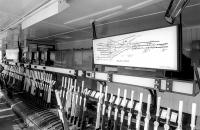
{"x": 8, "y": 119}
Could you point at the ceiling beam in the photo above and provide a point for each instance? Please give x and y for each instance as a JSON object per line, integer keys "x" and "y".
{"x": 44, "y": 12}
{"x": 19, "y": 20}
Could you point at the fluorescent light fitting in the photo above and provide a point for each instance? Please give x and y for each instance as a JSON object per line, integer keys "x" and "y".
{"x": 142, "y": 4}
{"x": 109, "y": 16}
{"x": 58, "y": 25}
{"x": 95, "y": 14}
{"x": 64, "y": 37}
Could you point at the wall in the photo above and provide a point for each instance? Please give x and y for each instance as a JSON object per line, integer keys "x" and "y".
{"x": 87, "y": 43}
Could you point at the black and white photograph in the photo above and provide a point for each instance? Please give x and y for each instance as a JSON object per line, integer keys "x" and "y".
{"x": 99, "y": 65}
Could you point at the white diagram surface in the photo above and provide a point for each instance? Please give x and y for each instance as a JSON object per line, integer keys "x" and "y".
{"x": 147, "y": 49}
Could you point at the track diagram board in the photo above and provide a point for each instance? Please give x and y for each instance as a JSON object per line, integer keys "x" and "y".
{"x": 157, "y": 49}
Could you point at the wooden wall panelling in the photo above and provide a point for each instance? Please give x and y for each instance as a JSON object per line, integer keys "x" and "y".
{"x": 58, "y": 61}
{"x": 87, "y": 59}
{"x": 78, "y": 59}
{"x": 67, "y": 58}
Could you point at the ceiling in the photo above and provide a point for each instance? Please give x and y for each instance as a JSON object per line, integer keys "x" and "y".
{"x": 74, "y": 23}
{"x": 79, "y": 15}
